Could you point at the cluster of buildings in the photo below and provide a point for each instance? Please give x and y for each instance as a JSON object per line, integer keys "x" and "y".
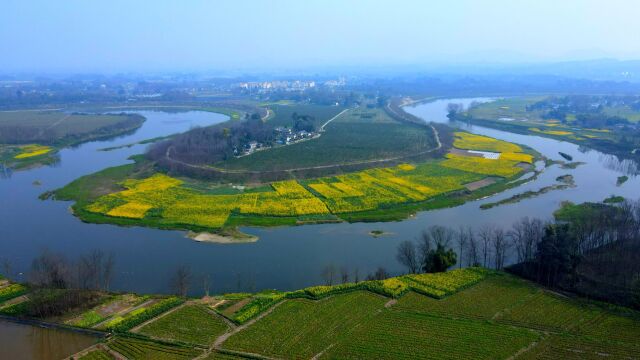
{"x": 283, "y": 136}
{"x": 283, "y": 85}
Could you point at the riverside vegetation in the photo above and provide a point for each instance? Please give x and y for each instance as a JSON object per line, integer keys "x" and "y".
{"x": 137, "y": 195}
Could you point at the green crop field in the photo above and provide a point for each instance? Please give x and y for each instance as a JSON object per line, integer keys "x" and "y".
{"x": 357, "y": 135}
{"x": 283, "y": 114}
{"x": 484, "y": 301}
{"x": 61, "y": 128}
{"x": 136, "y": 349}
{"x": 303, "y": 328}
{"x": 496, "y": 318}
{"x": 399, "y": 335}
{"x": 191, "y": 324}
{"x": 97, "y": 354}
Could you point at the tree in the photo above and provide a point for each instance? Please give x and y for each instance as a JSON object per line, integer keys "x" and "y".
{"x": 473, "y": 250}
{"x": 441, "y": 259}
{"x": 453, "y": 110}
{"x": 328, "y": 274}
{"x": 407, "y": 256}
{"x": 380, "y": 274}
{"x": 206, "y": 284}
{"x": 500, "y": 246}
{"x": 344, "y": 275}
{"x": 181, "y": 280}
{"x": 356, "y": 275}
{"x": 50, "y": 270}
{"x": 485, "y": 234}
{"x": 424, "y": 248}
{"x": 462, "y": 237}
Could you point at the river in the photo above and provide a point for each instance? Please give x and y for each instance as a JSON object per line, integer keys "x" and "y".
{"x": 26, "y": 342}
{"x": 284, "y": 257}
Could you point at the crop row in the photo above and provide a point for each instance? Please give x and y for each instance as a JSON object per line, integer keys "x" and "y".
{"x": 12, "y": 291}
{"x": 434, "y": 285}
{"x": 135, "y": 349}
{"x": 138, "y": 316}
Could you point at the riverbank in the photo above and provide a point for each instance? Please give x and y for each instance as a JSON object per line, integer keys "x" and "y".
{"x": 137, "y": 195}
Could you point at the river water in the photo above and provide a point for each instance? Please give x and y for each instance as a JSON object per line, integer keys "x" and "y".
{"x": 26, "y": 342}
{"x": 285, "y": 257}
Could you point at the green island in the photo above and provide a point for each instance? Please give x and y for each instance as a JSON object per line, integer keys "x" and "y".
{"x": 304, "y": 164}
{"x": 602, "y": 122}
{"x": 30, "y": 138}
{"x": 465, "y": 313}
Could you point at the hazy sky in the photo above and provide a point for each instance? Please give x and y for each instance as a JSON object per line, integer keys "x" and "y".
{"x": 108, "y": 35}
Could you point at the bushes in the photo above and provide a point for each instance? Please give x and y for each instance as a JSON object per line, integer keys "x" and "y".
{"x": 137, "y": 317}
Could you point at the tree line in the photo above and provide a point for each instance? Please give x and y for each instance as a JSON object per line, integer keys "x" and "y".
{"x": 593, "y": 251}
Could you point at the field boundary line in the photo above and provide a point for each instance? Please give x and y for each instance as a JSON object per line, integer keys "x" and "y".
{"x": 137, "y": 328}
{"x": 222, "y": 338}
{"x": 363, "y": 162}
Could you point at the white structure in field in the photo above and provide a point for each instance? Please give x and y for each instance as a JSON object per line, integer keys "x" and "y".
{"x": 486, "y": 154}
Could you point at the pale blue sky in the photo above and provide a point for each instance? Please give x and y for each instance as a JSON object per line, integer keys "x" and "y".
{"x": 136, "y": 35}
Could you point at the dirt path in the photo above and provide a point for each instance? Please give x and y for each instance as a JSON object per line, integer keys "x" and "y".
{"x": 222, "y": 338}
{"x": 125, "y": 311}
{"x": 135, "y": 329}
{"x": 333, "y": 118}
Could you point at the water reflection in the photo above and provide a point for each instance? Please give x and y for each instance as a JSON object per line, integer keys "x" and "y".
{"x": 18, "y": 341}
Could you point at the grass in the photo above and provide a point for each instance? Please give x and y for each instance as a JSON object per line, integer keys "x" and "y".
{"x": 192, "y": 324}
{"x": 303, "y": 328}
{"x": 140, "y": 315}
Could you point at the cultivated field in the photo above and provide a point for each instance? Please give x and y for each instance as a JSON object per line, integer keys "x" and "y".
{"x": 469, "y": 313}
{"x": 355, "y": 136}
{"x": 163, "y": 201}
{"x": 61, "y": 128}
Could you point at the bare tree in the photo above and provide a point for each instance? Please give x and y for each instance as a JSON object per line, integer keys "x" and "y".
{"x": 6, "y": 267}
{"x": 356, "y": 275}
{"x": 206, "y": 283}
{"x": 50, "y": 270}
{"x": 473, "y": 249}
{"x": 380, "y": 274}
{"x": 500, "y": 246}
{"x": 485, "y": 234}
{"x": 462, "y": 237}
{"x": 107, "y": 271}
{"x": 424, "y": 250}
{"x": 441, "y": 235}
{"x": 344, "y": 275}
{"x": 407, "y": 256}
{"x": 181, "y": 280}
{"x": 328, "y": 274}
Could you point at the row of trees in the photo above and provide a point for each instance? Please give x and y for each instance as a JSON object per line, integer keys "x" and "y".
{"x": 594, "y": 251}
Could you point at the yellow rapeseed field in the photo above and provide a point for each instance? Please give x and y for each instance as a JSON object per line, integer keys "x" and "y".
{"x": 32, "y": 150}
{"x": 165, "y": 200}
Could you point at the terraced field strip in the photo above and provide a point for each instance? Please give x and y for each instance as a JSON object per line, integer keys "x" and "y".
{"x": 190, "y": 323}
{"x": 137, "y": 349}
{"x": 124, "y": 312}
{"x": 399, "y": 335}
{"x": 304, "y": 328}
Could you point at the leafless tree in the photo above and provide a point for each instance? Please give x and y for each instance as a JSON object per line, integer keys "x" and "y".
{"x": 328, "y": 274}
{"x": 356, "y": 275}
{"x": 51, "y": 271}
{"x": 473, "y": 249}
{"x": 344, "y": 274}
{"x": 380, "y": 274}
{"x": 424, "y": 248}
{"x": 6, "y": 267}
{"x": 485, "y": 234}
{"x": 206, "y": 283}
{"x": 407, "y": 256}
{"x": 500, "y": 246}
{"x": 462, "y": 237}
{"x": 181, "y": 280}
